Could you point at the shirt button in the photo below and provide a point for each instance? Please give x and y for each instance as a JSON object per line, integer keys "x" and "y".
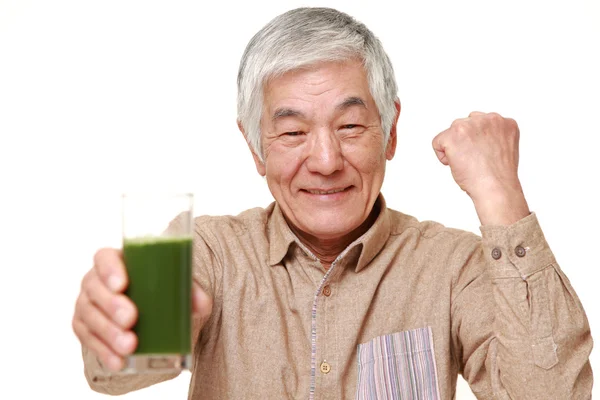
{"x": 327, "y": 291}
{"x": 325, "y": 367}
{"x": 520, "y": 251}
{"x": 496, "y": 253}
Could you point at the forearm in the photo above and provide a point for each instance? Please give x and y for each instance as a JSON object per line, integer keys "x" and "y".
{"x": 543, "y": 336}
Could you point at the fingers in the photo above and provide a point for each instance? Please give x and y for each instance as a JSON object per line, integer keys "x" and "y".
{"x": 476, "y": 114}
{"x": 445, "y": 142}
{"x": 117, "y": 307}
{"x": 116, "y": 338}
{"x": 111, "y": 269}
{"x": 100, "y": 334}
{"x": 439, "y": 146}
{"x": 103, "y": 315}
{"x": 108, "y": 357}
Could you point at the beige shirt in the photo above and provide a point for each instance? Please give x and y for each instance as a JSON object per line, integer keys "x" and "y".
{"x": 399, "y": 314}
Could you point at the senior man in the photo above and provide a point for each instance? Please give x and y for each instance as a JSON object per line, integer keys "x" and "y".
{"x": 329, "y": 294}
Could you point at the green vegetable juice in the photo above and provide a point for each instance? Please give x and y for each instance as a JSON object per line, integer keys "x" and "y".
{"x": 160, "y": 286}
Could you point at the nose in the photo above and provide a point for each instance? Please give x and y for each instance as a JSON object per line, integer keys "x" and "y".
{"x": 325, "y": 153}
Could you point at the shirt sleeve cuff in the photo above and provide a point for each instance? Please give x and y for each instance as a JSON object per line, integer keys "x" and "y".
{"x": 518, "y": 250}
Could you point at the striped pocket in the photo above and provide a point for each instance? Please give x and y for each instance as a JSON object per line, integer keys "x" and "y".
{"x": 398, "y": 366}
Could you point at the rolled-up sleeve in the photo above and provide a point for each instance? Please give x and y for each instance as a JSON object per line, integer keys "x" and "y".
{"x": 101, "y": 380}
{"x": 539, "y": 340}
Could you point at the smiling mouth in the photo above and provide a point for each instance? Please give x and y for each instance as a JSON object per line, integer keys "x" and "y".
{"x": 322, "y": 192}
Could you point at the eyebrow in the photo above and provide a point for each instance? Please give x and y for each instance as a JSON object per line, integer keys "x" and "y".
{"x": 351, "y": 101}
{"x": 286, "y": 112}
{"x": 290, "y": 112}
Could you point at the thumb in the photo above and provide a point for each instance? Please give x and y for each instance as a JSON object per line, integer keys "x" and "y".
{"x": 440, "y": 148}
{"x": 202, "y": 303}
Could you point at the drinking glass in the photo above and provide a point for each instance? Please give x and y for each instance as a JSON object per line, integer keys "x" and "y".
{"x": 157, "y": 250}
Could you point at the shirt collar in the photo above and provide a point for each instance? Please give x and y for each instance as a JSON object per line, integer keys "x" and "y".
{"x": 371, "y": 242}
{"x": 280, "y": 235}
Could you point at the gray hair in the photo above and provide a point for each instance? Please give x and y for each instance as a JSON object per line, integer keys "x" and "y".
{"x": 304, "y": 37}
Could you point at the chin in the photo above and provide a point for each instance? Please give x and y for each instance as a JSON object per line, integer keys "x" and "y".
{"x": 329, "y": 227}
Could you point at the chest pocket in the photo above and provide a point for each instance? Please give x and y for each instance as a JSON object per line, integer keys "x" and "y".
{"x": 398, "y": 366}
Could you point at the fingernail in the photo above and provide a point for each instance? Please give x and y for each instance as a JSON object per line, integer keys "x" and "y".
{"x": 121, "y": 316}
{"x": 114, "y": 283}
{"x": 124, "y": 342}
{"x": 115, "y": 363}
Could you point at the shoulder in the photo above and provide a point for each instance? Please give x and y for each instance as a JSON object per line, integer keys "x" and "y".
{"x": 407, "y": 225}
{"x": 252, "y": 221}
{"x": 446, "y": 249}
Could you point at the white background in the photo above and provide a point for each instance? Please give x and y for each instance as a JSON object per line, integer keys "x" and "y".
{"x": 98, "y": 97}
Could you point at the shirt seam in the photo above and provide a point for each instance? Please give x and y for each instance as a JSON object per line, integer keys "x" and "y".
{"x": 218, "y": 290}
{"x": 444, "y": 229}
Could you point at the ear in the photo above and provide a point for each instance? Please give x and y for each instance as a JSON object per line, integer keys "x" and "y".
{"x": 390, "y": 149}
{"x": 260, "y": 166}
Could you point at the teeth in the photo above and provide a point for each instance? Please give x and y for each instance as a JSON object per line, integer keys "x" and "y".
{"x": 327, "y": 192}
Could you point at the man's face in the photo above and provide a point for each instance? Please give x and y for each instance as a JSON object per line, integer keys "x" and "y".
{"x": 324, "y": 156}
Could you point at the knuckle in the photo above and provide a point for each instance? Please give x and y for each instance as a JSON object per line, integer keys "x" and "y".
{"x": 512, "y": 124}
{"x": 495, "y": 117}
{"x": 84, "y": 314}
{"x": 86, "y": 278}
{"x": 87, "y": 282}
{"x": 101, "y": 327}
{"x": 461, "y": 129}
{"x": 100, "y": 256}
{"x": 113, "y": 305}
{"x": 80, "y": 306}
{"x": 75, "y": 327}
{"x": 106, "y": 332}
{"x": 110, "y": 332}
{"x": 77, "y": 310}
{"x": 100, "y": 350}
{"x": 104, "y": 258}
{"x": 80, "y": 331}
{"x": 103, "y": 351}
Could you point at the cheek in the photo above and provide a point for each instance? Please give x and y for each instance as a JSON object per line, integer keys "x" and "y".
{"x": 282, "y": 167}
{"x": 366, "y": 161}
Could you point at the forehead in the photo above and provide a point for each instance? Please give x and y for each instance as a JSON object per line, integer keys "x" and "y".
{"x": 320, "y": 83}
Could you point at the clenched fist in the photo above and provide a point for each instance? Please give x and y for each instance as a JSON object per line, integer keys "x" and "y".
{"x": 482, "y": 152}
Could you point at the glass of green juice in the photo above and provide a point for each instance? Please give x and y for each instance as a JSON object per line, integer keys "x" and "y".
{"x": 157, "y": 250}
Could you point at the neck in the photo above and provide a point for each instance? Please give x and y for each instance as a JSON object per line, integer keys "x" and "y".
{"x": 327, "y": 250}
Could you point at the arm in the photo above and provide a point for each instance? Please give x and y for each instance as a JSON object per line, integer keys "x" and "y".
{"x": 104, "y": 317}
{"x": 103, "y": 380}
{"x": 102, "y": 356}
{"x": 519, "y": 329}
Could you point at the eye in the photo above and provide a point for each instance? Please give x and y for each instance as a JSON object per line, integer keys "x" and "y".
{"x": 296, "y": 133}
{"x": 349, "y": 126}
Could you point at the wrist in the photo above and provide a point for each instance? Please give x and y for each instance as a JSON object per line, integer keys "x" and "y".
{"x": 502, "y": 207}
